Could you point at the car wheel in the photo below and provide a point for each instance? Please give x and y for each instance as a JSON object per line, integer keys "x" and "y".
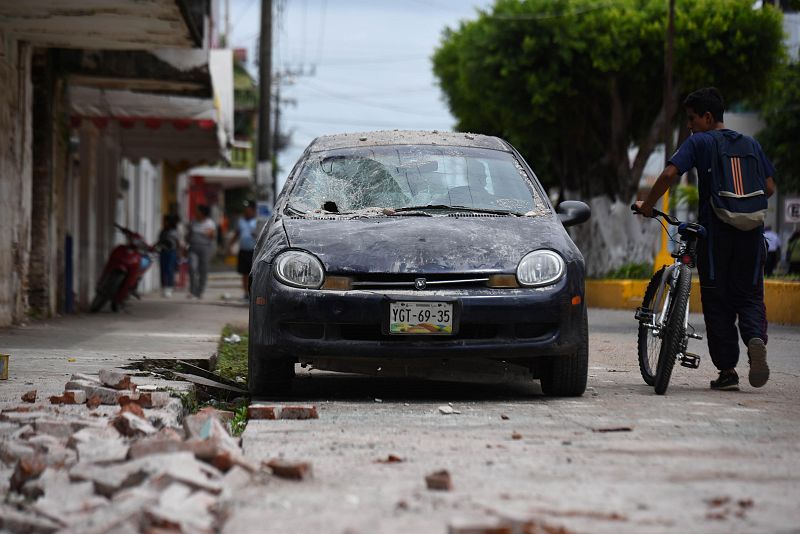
{"x": 268, "y": 375}
{"x": 566, "y": 375}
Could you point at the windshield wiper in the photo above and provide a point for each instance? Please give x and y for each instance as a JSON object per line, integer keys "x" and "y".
{"x": 289, "y": 207}
{"x": 457, "y": 208}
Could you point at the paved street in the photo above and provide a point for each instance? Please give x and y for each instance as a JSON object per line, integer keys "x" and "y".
{"x": 619, "y": 459}
{"x": 693, "y": 461}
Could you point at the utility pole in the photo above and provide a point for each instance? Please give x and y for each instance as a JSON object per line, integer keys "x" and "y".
{"x": 276, "y": 132}
{"x": 663, "y": 256}
{"x": 264, "y": 177}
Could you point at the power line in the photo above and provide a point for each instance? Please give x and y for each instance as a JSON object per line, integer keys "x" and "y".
{"x": 242, "y": 14}
{"x": 371, "y": 124}
{"x": 358, "y": 100}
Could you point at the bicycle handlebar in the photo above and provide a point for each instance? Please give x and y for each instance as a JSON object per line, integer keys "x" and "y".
{"x": 656, "y": 213}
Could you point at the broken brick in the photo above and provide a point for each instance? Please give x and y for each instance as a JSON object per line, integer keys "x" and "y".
{"x": 260, "y": 412}
{"x": 129, "y": 424}
{"x": 153, "y": 399}
{"x": 69, "y": 397}
{"x": 516, "y": 435}
{"x": 391, "y": 459}
{"x": 292, "y": 471}
{"x": 93, "y": 402}
{"x": 439, "y": 480}
{"x": 30, "y": 396}
{"x": 504, "y": 417}
{"x": 116, "y": 380}
{"x": 299, "y": 412}
{"x": 130, "y": 406}
{"x": 27, "y": 469}
{"x": 257, "y": 411}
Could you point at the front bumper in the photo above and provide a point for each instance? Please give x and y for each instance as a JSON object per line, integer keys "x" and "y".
{"x": 496, "y": 323}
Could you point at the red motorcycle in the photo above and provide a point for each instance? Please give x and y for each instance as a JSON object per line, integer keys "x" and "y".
{"x": 125, "y": 266}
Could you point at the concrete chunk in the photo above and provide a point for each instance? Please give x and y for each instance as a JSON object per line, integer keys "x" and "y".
{"x": 131, "y": 425}
{"x": 261, "y": 411}
{"x": 116, "y": 379}
{"x": 12, "y": 520}
{"x": 30, "y": 396}
{"x": 154, "y": 399}
{"x": 290, "y": 470}
{"x": 74, "y": 396}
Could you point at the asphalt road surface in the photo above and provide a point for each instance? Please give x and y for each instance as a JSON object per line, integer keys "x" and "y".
{"x": 618, "y": 459}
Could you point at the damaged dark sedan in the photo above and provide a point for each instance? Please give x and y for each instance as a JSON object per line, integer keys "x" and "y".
{"x": 418, "y": 254}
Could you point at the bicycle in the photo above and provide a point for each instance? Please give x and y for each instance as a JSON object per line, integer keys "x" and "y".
{"x": 664, "y": 314}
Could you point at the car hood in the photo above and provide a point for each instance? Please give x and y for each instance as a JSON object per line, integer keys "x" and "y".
{"x": 411, "y": 244}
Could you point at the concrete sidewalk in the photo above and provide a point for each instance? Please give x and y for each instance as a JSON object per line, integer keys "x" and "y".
{"x": 44, "y": 354}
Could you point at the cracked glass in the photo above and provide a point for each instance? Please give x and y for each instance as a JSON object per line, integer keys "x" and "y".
{"x": 377, "y": 180}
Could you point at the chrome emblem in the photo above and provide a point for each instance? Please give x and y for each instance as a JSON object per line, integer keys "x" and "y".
{"x": 420, "y": 284}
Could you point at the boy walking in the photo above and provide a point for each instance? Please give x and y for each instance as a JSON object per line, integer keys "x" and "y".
{"x": 730, "y": 261}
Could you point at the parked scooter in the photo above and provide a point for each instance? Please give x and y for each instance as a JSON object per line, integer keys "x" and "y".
{"x": 125, "y": 266}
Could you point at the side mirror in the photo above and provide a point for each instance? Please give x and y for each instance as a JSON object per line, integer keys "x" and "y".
{"x": 572, "y": 212}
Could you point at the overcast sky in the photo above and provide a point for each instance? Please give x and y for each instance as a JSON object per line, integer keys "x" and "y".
{"x": 365, "y": 64}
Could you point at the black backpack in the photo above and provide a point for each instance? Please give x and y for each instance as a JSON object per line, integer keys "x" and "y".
{"x": 739, "y": 183}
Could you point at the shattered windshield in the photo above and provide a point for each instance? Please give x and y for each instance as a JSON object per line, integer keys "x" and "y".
{"x": 376, "y": 179}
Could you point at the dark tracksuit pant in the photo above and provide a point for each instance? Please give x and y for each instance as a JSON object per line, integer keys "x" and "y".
{"x": 730, "y": 263}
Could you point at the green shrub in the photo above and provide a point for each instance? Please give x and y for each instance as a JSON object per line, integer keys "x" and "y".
{"x": 639, "y": 271}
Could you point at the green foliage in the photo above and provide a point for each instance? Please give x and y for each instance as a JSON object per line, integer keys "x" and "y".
{"x": 637, "y": 271}
{"x": 574, "y": 83}
{"x": 685, "y": 193}
{"x": 232, "y": 357}
{"x": 781, "y": 112}
{"x": 239, "y": 421}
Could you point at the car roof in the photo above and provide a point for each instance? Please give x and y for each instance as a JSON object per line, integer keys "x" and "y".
{"x": 406, "y": 137}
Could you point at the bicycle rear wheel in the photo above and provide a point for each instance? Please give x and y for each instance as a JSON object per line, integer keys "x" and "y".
{"x": 649, "y": 342}
{"x": 674, "y": 330}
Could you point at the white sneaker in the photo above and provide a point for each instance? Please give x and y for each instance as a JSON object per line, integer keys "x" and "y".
{"x": 167, "y": 293}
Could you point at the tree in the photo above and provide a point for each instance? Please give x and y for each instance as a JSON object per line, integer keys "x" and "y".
{"x": 781, "y": 112}
{"x": 574, "y": 84}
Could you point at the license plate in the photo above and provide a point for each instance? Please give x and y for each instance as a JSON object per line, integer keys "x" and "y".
{"x": 425, "y": 318}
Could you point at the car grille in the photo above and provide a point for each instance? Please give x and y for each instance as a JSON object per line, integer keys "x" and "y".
{"x": 373, "y": 332}
{"x": 432, "y": 281}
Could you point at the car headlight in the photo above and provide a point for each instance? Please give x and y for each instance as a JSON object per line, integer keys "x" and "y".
{"x": 540, "y": 268}
{"x": 299, "y": 269}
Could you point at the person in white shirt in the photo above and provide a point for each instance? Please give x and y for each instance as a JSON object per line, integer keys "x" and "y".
{"x": 201, "y": 238}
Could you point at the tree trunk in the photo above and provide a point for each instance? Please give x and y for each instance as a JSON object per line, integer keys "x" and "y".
{"x": 613, "y": 237}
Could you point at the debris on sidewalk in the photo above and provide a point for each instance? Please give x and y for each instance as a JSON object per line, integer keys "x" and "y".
{"x": 439, "y": 480}
{"x": 30, "y": 396}
{"x": 448, "y": 410}
{"x": 119, "y": 462}
{"x": 292, "y": 471}
{"x": 261, "y": 411}
{"x": 613, "y": 429}
{"x": 233, "y": 338}
{"x": 391, "y": 459}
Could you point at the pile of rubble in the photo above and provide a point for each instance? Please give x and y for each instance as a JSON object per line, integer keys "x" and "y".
{"x": 108, "y": 456}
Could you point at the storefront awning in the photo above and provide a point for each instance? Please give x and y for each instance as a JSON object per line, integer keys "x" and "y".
{"x": 164, "y": 127}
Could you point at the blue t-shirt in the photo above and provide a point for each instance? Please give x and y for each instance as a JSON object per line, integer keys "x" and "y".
{"x": 247, "y": 233}
{"x": 697, "y": 151}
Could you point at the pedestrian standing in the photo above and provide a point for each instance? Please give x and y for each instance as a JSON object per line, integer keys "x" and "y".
{"x": 730, "y": 261}
{"x": 169, "y": 241}
{"x": 202, "y": 232}
{"x": 773, "y": 250}
{"x": 793, "y": 253}
{"x": 245, "y": 234}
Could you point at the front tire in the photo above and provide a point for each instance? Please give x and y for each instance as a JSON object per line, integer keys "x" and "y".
{"x": 268, "y": 376}
{"x": 674, "y": 332}
{"x": 649, "y": 344}
{"x": 566, "y": 376}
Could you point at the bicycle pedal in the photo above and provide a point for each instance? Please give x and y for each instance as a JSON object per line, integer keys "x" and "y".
{"x": 692, "y": 361}
{"x": 695, "y": 336}
{"x": 644, "y": 314}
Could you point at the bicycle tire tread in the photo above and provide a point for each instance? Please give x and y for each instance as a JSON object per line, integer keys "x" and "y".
{"x": 674, "y": 331}
{"x": 648, "y": 376}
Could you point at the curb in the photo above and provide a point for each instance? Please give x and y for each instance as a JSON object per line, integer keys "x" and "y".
{"x": 782, "y": 299}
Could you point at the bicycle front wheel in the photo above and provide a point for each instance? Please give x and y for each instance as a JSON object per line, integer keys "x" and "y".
{"x": 650, "y": 340}
{"x": 674, "y": 330}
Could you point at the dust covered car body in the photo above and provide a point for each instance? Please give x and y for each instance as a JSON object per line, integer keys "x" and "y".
{"x": 395, "y": 249}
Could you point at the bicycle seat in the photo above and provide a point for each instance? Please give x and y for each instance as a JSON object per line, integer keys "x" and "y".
{"x": 693, "y": 229}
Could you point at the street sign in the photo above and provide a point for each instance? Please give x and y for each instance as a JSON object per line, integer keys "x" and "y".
{"x": 792, "y": 210}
